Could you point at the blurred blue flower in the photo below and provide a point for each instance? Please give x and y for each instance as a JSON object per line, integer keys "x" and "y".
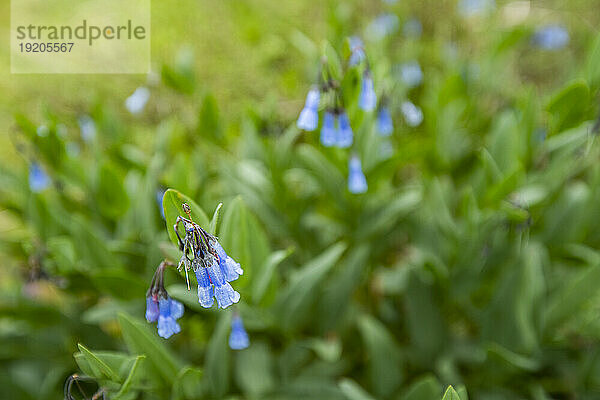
{"x": 328, "y": 131}
{"x": 551, "y": 37}
{"x": 367, "y": 99}
{"x": 344, "y": 132}
{"x": 383, "y": 25}
{"x": 151, "y": 308}
{"x": 385, "y": 125}
{"x": 42, "y": 131}
{"x": 205, "y": 288}
{"x": 309, "y": 116}
{"x": 357, "y": 51}
{"x": 357, "y": 183}
{"x": 238, "y": 339}
{"x": 412, "y": 114}
{"x": 38, "y": 180}
{"x": 470, "y": 8}
{"x": 169, "y": 311}
{"x": 224, "y": 293}
{"x": 229, "y": 267}
{"x": 137, "y": 101}
{"x": 87, "y": 127}
{"x": 412, "y": 28}
{"x": 411, "y": 73}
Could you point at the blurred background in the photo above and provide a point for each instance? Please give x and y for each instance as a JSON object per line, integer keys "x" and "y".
{"x": 471, "y": 260}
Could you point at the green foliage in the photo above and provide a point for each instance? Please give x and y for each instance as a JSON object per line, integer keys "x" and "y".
{"x": 472, "y": 260}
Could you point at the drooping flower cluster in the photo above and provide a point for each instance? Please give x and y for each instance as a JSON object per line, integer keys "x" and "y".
{"x": 160, "y": 307}
{"x": 238, "y": 338}
{"x": 214, "y": 269}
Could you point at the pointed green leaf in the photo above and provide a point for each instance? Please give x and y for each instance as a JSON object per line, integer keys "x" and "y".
{"x": 450, "y": 394}
{"x": 172, "y": 201}
{"x": 99, "y": 367}
{"x": 130, "y": 378}
{"x": 216, "y": 365}
{"x": 214, "y": 222}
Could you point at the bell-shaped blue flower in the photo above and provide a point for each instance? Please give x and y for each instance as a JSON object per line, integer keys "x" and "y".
{"x": 551, "y": 37}
{"x": 138, "y": 99}
{"x": 385, "y": 125}
{"x": 412, "y": 114}
{"x": 238, "y": 339}
{"x": 328, "y": 131}
{"x": 309, "y": 116}
{"x": 382, "y": 26}
{"x": 205, "y": 288}
{"x": 151, "y": 308}
{"x": 344, "y": 132}
{"x": 357, "y": 183}
{"x": 229, "y": 267}
{"x": 357, "y": 52}
{"x": 169, "y": 311}
{"x": 367, "y": 99}
{"x": 38, "y": 180}
{"x": 224, "y": 293}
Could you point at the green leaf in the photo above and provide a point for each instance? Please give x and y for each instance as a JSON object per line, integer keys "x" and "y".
{"x": 172, "y": 201}
{"x": 425, "y": 388}
{"x": 131, "y": 377}
{"x": 569, "y": 106}
{"x": 353, "y": 391}
{"x": 216, "y": 365}
{"x": 261, "y": 282}
{"x": 295, "y": 301}
{"x": 110, "y": 194}
{"x": 451, "y": 394}
{"x": 188, "y": 385}
{"x": 99, "y": 367}
{"x": 214, "y": 222}
{"x": 140, "y": 339}
{"x": 254, "y": 370}
{"x": 384, "y": 363}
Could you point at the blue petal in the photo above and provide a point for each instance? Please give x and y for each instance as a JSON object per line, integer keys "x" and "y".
{"x": 344, "y": 133}
{"x": 412, "y": 114}
{"x": 312, "y": 99}
{"x": 229, "y": 267}
{"x": 308, "y": 119}
{"x": 137, "y": 101}
{"x": 411, "y": 73}
{"x": 87, "y": 127}
{"x": 151, "y": 309}
{"x": 328, "y": 132}
{"x": 385, "y": 126}
{"x": 167, "y": 327}
{"x": 368, "y": 99}
{"x": 551, "y": 37}
{"x": 226, "y": 296}
{"x": 176, "y": 309}
{"x": 205, "y": 288}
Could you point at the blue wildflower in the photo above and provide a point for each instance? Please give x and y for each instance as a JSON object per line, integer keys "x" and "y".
{"x": 38, "y": 180}
{"x": 169, "y": 311}
{"x": 470, "y": 8}
{"x": 344, "y": 135}
{"x": 411, "y": 74}
{"x": 309, "y": 116}
{"x": 238, "y": 339}
{"x": 205, "y": 288}
{"x": 229, "y": 267}
{"x": 87, "y": 127}
{"x": 413, "y": 28}
{"x": 137, "y": 101}
{"x": 551, "y": 37}
{"x": 357, "y": 51}
{"x": 367, "y": 99}
{"x": 357, "y": 183}
{"x": 224, "y": 293}
{"x": 328, "y": 131}
{"x": 412, "y": 114}
{"x": 385, "y": 125}
{"x": 383, "y": 25}
{"x": 151, "y": 308}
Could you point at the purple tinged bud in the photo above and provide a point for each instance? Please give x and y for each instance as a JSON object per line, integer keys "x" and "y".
{"x": 151, "y": 309}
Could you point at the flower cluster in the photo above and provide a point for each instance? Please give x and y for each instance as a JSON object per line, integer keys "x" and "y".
{"x": 214, "y": 269}
{"x": 160, "y": 307}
